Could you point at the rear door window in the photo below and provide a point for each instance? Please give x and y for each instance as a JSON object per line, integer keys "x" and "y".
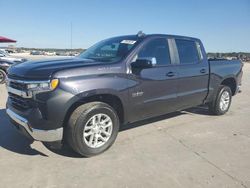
{"x": 187, "y": 50}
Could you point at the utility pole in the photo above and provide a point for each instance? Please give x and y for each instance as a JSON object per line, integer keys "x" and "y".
{"x": 71, "y": 36}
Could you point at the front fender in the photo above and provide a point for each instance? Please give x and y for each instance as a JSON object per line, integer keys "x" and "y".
{"x": 80, "y": 90}
{"x": 109, "y": 84}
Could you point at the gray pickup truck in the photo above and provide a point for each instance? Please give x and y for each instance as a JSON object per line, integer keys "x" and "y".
{"x": 83, "y": 101}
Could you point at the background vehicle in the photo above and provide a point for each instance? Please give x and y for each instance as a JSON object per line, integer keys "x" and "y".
{"x": 5, "y": 56}
{"x": 4, "y": 65}
{"x": 5, "y": 62}
{"x": 84, "y": 100}
{"x": 36, "y": 53}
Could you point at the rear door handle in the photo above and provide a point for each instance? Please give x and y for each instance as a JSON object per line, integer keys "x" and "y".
{"x": 203, "y": 71}
{"x": 170, "y": 74}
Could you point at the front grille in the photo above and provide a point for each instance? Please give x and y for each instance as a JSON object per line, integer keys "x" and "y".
{"x": 17, "y": 85}
{"x": 19, "y": 102}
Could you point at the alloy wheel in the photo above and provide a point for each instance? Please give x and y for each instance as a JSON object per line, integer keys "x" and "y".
{"x": 98, "y": 130}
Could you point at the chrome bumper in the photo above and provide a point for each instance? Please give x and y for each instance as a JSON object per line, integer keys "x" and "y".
{"x": 36, "y": 134}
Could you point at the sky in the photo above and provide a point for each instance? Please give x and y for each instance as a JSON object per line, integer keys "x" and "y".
{"x": 222, "y": 25}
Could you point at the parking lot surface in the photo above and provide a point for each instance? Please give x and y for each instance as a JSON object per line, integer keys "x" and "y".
{"x": 184, "y": 149}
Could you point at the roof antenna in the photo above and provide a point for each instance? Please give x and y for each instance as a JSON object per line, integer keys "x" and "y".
{"x": 141, "y": 34}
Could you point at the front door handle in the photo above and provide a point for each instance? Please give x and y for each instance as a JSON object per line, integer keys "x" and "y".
{"x": 203, "y": 71}
{"x": 170, "y": 74}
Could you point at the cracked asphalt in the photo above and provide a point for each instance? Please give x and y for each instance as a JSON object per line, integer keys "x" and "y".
{"x": 184, "y": 149}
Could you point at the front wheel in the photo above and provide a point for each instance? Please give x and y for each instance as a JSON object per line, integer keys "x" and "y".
{"x": 222, "y": 102}
{"x": 2, "y": 76}
{"x": 92, "y": 128}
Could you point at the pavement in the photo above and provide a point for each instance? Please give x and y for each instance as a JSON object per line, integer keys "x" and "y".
{"x": 186, "y": 149}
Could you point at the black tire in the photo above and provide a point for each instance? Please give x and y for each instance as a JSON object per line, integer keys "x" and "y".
{"x": 2, "y": 76}
{"x": 78, "y": 120}
{"x": 214, "y": 106}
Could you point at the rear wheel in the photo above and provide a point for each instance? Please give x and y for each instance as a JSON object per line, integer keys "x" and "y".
{"x": 92, "y": 128}
{"x": 2, "y": 76}
{"x": 222, "y": 102}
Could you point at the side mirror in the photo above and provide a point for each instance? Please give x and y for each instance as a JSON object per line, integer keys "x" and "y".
{"x": 144, "y": 63}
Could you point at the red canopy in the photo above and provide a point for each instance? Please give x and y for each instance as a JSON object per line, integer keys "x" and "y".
{"x": 4, "y": 39}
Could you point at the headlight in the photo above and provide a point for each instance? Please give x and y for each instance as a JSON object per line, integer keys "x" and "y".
{"x": 42, "y": 86}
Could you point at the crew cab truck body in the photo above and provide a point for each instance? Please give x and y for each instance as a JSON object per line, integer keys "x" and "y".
{"x": 84, "y": 100}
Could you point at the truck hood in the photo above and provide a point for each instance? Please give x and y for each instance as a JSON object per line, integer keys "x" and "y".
{"x": 45, "y": 68}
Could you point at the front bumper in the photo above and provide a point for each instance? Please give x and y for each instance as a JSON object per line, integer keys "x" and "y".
{"x": 36, "y": 134}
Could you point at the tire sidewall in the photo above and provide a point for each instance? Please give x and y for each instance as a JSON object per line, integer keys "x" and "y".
{"x": 83, "y": 148}
{"x": 223, "y": 88}
{"x": 4, "y": 76}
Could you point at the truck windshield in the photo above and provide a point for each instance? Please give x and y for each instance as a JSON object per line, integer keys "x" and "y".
{"x": 110, "y": 50}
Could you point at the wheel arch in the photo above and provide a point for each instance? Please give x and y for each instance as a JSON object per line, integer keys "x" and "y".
{"x": 110, "y": 99}
{"x": 231, "y": 83}
{"x": 3, "y": 81}
{"x": 3, "y": 70}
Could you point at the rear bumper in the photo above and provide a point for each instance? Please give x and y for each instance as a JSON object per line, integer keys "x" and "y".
{"x": 36, "y": 134}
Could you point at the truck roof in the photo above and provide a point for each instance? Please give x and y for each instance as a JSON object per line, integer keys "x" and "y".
{"x": 173, "y": 36}
{"x": 160, "y": 35}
